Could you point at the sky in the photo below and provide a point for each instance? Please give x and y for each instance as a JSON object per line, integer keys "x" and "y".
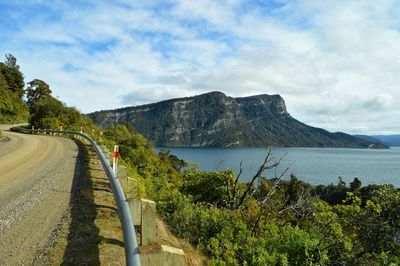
{"x": 335, "y": 62}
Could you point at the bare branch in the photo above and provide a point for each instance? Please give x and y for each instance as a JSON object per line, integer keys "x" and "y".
{"x": 261, "y": 169}
{"x": 274, "y": 185}
{"x": 233, "y": 200}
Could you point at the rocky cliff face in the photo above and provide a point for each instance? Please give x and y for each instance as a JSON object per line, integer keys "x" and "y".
{"x": 214, "y": 119}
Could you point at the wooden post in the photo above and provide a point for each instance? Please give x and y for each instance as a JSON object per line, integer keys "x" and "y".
{"x": 135, "y": 207}
{"x": 148, "y": 222}
{"x": 160, "y": 255}
{"x": 143, "y": 213}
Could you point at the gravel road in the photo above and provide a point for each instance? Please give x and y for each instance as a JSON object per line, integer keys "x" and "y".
{"x": 36, "y": 174}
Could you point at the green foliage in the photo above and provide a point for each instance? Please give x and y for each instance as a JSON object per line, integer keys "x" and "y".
{"x": 11, "y": 61}
{"x": 37, "y": 92}
{"x": 157, "y": 173}
{"x": 261, "y": 223}
{"x": 13, "y": 77}
{"x": 333, "y": 194}
{"x": 374, "y": 224}
{"x": 284, "y": 224}
{"x": 176, "y": 163}
{"x": 208, "y": 187}
{"x": 12, "y": 106}
{"x": 50, "y": 113}
{"x": 295, "y": 189}
{"x": 355, "y": 186}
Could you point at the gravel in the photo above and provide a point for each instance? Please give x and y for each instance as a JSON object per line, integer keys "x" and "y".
{"x": 34, "y": 195}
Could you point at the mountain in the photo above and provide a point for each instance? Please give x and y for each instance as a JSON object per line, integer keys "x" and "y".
{"x": 390, "y": 140}
{"x": 214, "y": 119}
{"x": 368, "y": 138}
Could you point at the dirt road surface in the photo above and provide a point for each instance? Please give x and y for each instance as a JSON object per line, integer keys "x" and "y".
{"x": 36, "y": 174}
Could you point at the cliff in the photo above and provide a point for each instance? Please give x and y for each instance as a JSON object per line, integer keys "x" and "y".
{"x": 214, "y": 119}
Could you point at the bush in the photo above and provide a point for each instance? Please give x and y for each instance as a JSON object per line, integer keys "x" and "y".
{"x": 208, "y": 187}
{"x": 282, "y": 225}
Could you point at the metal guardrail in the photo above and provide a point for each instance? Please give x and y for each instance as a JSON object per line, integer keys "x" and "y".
{"x": 131, "y": 246}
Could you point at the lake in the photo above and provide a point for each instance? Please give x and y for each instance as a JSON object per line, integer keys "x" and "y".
{"x": 313, "y": 165}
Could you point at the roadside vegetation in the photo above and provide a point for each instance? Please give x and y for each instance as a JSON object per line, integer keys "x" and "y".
{"x": 48, "y": 112}
{"x": 270, "y": 220}
{"x": 12, "y": 107}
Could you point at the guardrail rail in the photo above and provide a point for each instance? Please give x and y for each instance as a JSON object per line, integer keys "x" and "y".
{"x": 131, "y": 245}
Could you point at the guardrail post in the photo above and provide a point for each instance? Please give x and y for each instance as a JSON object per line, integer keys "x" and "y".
{"x": 115, "y": 159}
{"x": 143, "y": 214}
{"x": 161, "y": 255}
{"x": 148, "y": 222}
{"x": 135, "y": 207}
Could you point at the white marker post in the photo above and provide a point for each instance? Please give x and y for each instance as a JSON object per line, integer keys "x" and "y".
{"x": 81, "y": 130}
{"x": 61, "y": 129}
{"x": 115, "y": 159}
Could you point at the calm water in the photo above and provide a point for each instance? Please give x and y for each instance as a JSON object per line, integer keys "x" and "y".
{"x": 314, "y": 165}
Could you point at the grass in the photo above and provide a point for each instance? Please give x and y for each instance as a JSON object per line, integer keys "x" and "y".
{"x": 193, "y": 257}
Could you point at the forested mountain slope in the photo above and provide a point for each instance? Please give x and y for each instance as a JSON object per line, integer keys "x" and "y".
{"x": 214, "y": 119}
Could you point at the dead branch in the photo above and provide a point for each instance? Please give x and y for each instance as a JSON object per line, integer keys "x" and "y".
{"x": 233, "y": 200}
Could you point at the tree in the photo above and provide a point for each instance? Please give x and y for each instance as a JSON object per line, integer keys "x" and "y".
{"x": 11, "y": 61}
{"x": 355, "y": 186}
{"x": 12, "y": 106}
{"x": 237, "y": 198}
{"x": 176, "y": 163}
{"x": 209, "y": 187}
{"x": 14, "y": 78}
{"x": 3, "y": 82}
{"x": 373, "y": 226}
{"x": 37, "y": 91}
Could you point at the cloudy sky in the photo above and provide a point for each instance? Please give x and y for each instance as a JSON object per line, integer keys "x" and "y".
{"x": 335, "y": 62}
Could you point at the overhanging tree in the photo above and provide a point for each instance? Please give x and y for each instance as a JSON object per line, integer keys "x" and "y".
{"x": 38, "y": 90}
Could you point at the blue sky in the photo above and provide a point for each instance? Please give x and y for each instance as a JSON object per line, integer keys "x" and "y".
{"x": 336, "y": 63}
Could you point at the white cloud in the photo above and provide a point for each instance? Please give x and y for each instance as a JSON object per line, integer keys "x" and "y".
{"x": 336, "y": 63}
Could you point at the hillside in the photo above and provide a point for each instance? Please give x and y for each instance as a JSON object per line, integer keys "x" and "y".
{"x": 12, "y": 107}
{"x": 390, "y": 140}
{"x": 216, "y": 120}
{"x": 368, "y": 138}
